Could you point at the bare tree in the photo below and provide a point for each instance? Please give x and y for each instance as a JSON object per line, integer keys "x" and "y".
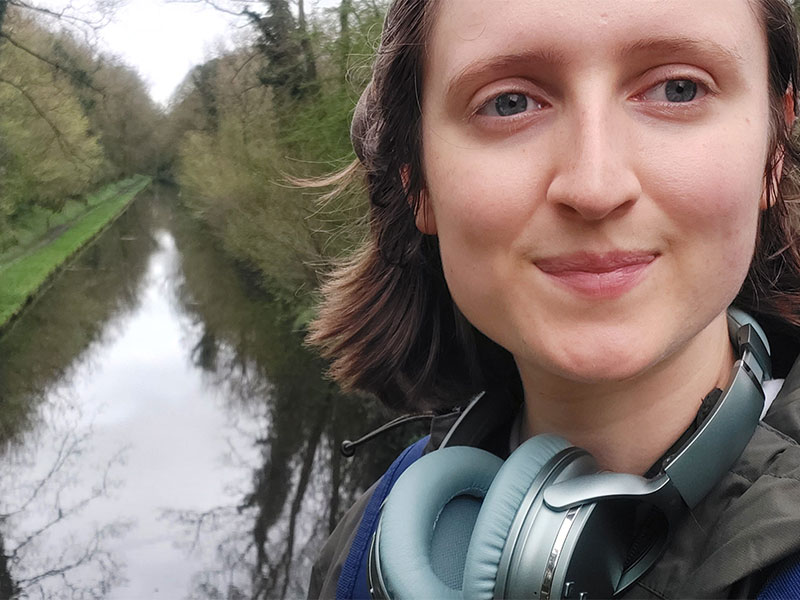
{"x": 231, "y": 7}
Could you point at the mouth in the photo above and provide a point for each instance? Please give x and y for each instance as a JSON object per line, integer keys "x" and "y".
{"x": 603, "y": 276}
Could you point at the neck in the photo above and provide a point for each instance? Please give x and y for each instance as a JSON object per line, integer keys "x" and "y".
{"x": 627, "y": 425}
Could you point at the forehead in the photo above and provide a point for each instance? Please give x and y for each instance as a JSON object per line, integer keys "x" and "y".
{"x": 578, "y": 32}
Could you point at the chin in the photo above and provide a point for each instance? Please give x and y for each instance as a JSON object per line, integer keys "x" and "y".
{"x": 599, "y": 365}
{"x": 600, "y": 374}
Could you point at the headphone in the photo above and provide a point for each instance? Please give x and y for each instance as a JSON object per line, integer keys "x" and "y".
{"x": 460, "y": 523}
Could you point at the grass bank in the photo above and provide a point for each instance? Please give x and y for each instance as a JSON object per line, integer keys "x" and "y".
{"x": 28, "y": 266}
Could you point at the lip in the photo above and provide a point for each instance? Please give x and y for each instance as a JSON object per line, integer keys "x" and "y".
{"x": 598, "y": 275}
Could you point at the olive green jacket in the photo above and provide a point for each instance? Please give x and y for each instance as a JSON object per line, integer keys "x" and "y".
{"x": 728, "y": 545}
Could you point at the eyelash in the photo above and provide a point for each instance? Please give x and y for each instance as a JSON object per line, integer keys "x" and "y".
{"x": 703, "y": 90}
{"x": 491, "y": 102}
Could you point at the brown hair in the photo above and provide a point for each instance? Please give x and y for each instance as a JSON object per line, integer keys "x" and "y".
{"x": 387, "y": 320}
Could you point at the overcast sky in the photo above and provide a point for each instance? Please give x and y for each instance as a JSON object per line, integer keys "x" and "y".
{"x": 164, "y": 40}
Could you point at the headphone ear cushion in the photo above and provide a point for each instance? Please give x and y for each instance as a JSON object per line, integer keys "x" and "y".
{"x": 500, "y": 506}
{"x": 436, "y": 497}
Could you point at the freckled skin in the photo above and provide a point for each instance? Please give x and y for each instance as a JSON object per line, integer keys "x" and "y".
{"x": 604, "y": 165}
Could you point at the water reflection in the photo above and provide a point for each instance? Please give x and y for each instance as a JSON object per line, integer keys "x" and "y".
{"x": 204, "y": 459}
{"x": 49, "y": 477}
{"x": 44, "y": 348}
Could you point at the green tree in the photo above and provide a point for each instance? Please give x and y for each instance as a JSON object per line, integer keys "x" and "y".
{"x": 70, "y": 119}
{"x": 250, "y": 118}
{"x": 48, "y": 152}
{"x": 126, "y": 120}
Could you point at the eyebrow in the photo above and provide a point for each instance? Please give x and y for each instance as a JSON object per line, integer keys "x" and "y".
{"x": 478, "y": 69}
{"x": 678, "y": 45}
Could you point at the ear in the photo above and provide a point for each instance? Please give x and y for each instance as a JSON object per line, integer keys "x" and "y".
{"x": 423, "y": 217}
{"x": 788, "y": 107}
{"x": 789, "y": 118}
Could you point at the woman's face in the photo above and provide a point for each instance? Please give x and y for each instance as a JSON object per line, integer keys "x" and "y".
{"x": 594, "y": 172}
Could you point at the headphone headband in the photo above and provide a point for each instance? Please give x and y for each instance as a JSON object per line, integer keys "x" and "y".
{"x": 721, "y": 439}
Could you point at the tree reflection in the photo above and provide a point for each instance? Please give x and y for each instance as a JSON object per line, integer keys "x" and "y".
{"x": 51, "y": 543}
{"x": 262, "y": 544}
{"x": 204, "y": 353}
{"x": 41, "y": 552}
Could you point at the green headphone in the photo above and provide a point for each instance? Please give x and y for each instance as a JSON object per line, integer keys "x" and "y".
{"x": 461, "y": 523}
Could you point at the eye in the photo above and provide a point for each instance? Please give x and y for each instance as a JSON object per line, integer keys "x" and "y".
{"x": 509, "y": 104}
{"x": 676, "y": 91}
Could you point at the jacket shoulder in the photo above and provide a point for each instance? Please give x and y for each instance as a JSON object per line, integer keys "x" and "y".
{"x": 341, "y": 568}
{"x": 326, "y": 570}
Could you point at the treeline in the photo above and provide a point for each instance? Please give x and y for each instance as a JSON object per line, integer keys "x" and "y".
{"x": 71, "y": 119}
{"x": 278, "y": 107}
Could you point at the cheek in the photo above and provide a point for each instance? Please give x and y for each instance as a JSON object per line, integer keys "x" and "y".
{"x": 711, "y": 197}
{"x": 481, "y": 203}
{"x": 480, "y": 197}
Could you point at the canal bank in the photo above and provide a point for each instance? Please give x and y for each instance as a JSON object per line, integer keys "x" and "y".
{"x": 26, "y": 272}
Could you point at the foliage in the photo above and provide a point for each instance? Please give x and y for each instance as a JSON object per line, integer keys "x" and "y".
{"x": 277, "y": 106}
{"x": 128, "y": 123}
{"x": 70, "y": 120}
{"x": 48, "y": 153}
{"x": 239, "y": 129}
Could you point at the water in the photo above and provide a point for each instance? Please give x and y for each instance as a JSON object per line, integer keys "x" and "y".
{"x": 164, "y": 433}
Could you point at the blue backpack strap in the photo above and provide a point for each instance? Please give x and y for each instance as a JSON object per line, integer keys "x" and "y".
{"x": 784, "y": 583}
{"x": 353, "y": 578}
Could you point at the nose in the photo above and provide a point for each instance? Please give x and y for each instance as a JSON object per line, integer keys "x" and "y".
{"x": 593, "y": 175}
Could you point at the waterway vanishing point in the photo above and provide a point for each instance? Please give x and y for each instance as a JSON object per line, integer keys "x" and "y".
{"x": 164, "y": 433}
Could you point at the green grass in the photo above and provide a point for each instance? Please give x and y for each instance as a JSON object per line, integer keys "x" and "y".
{"x": 24, "y": 269}
{"x": 29, "y": 229}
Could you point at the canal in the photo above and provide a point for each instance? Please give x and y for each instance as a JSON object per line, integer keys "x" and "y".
{"x": 164, "y": 433}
